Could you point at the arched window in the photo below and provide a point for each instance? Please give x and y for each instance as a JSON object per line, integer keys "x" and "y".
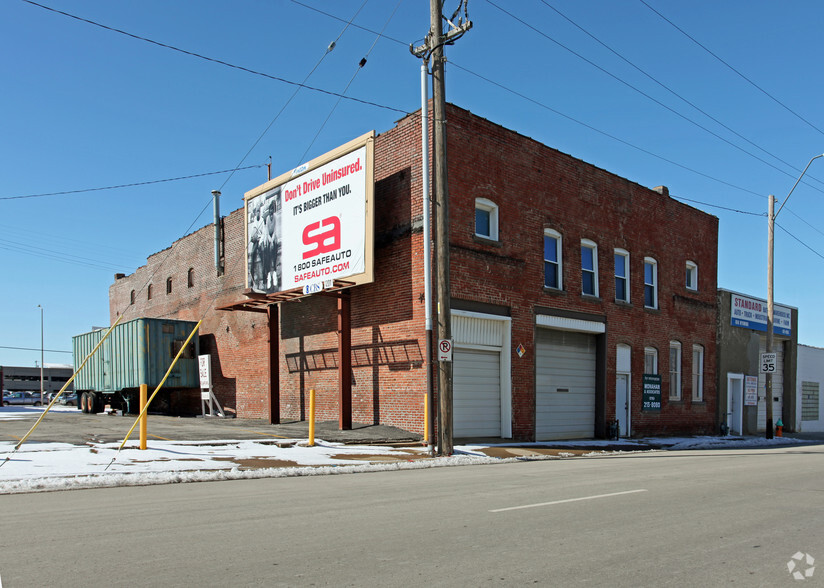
{"x": 131, "y": 298}
{"x": 169, "y": 285}
{"x": 149, "y": 292}
{"x": 190, "y": 277}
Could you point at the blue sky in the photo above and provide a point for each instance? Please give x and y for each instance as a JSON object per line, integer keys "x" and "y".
{"x": 86, "y": 107}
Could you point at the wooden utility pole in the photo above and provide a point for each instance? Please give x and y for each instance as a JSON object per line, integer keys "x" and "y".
{"x": 433, "y": 48}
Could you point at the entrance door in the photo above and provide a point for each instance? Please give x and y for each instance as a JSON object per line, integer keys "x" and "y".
{"x": 735, "y": 403}
{"x": 622, "y": 404}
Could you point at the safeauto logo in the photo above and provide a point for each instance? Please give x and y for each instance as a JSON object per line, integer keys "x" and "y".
{"x": 322, "y": 237}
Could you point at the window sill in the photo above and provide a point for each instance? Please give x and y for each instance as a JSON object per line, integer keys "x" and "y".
{"x": 486, "y": 240}
{"x": 623, "y": 303}
{"x": 652, "y": 310}
{"x": 554, "y": 291}
{"x": 591, "y": 297}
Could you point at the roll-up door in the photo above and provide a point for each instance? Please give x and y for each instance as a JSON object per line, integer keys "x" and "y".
{"x": 565, "y": 390}
{"x": 476, "y": 393}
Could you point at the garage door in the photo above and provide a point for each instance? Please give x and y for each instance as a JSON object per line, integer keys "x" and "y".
{"x": 476, "y": 393}
{"x": 777, "y": 386}
{"x": 565, "y": 390}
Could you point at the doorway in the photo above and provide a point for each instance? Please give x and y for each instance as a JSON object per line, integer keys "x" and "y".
{"x": 622, "y": 400}
{"x": 735, "y": 403}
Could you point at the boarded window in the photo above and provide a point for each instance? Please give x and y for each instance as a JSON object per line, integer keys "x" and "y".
{"x": 809, "y": 401}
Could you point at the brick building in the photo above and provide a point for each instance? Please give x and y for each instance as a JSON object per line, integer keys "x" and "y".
{"x": 577, "y": 296}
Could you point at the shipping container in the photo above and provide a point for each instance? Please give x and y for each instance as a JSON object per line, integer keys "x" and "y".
{"x": 137, "y": 352}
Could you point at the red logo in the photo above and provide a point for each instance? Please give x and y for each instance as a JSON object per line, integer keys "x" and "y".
{"x": 322, "y": 241}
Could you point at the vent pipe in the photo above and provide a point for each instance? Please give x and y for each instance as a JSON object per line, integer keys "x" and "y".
{"x": 216, "y": 200}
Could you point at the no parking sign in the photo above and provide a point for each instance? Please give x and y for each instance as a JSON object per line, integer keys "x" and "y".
{"x": 445, "y": 350}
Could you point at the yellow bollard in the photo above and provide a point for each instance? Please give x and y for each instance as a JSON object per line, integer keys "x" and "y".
{"x": 312, "y": 417}
{"x": 144, "y": 420}
{"x": 426, "y": 418}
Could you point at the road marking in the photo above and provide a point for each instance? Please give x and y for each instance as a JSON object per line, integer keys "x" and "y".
{"x": 568, "y": 500}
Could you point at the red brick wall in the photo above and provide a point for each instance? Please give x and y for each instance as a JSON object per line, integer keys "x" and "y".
{"x": 535, "y": 187}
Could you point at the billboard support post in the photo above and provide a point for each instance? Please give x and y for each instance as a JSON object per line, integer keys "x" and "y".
{"x": 345, "y": 363}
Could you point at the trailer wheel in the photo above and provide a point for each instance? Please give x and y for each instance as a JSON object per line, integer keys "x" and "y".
{"x": 81, "y": 402}
{"x": 91, "y": 402}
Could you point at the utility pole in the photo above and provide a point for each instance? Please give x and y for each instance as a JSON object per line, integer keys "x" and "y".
{"x": 768, "y": 377}
{"x": 433, "y": 47}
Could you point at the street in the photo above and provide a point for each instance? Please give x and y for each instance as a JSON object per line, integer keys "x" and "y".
{"x": 691, "y": 518}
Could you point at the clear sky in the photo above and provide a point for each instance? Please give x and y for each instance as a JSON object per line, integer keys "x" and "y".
{"x": 724, "y": 111}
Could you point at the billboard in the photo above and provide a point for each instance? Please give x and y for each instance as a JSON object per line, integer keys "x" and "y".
{"x": 313, "y": 226}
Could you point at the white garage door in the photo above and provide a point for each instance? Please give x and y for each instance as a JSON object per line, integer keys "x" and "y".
{"x": 476, "y": 393}
{"x": 565, "y": 390}
{"x": 777, "y": 386}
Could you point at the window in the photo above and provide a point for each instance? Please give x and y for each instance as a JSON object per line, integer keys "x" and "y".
{"x": 190, "y": 277}
{"x": 169, "y": 285}
{"x": 589, "y": 267}
{"x": 650, "y": 283}
{"x": 809, "y": 401}
{"x": 621, "y": 275}
{"x": 692, "y": 276}
{"x": 675, "y": 370}
{"x": 552, "y": 260}
{"x": 486, "y": 219}
{"x": 697, "y": 373}
{"x": 149, "y": 292}
{"x": 131, "y": 297}
{"x": 650, "y": 360}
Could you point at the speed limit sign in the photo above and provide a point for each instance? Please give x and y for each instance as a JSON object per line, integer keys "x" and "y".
{"x": 768, "y": 361}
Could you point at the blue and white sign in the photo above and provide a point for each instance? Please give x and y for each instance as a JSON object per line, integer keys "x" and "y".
{"x": 751, "y": 313}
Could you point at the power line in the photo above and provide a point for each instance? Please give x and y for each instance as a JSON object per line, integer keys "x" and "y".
{"x": 762, "y": 214}
{"x": 800, "y": 241}
{"x": 146, "y": 183}
{"x": 33, "y": 349}
{"x": 604, "y": 133}
{"x": 638, "y": 90}
{"x": 748, "y": 80}
{"x": 670, "y": 90}
{"x": 368, "y": 30}
{"x": 214, "y": 60}
{"x": 357, "y": 71}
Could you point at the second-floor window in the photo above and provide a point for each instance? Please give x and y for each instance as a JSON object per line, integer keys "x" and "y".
{"x": 552, "y": 260}
{"x": 486, "y": 219}
{"x": 589, "y": 268}
{"x": 692, "y": 275}
{"x": 621, "y": 275}
{"x": 650, "y": 283}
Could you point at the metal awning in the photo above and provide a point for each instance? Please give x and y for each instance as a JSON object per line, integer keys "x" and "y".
{"x": 259, "y": 302}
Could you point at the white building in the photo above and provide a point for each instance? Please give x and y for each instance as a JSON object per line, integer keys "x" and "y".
{"x": 809, "y": 416}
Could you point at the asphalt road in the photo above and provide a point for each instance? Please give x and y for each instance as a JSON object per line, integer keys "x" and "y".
{"x": 698, "y": 518}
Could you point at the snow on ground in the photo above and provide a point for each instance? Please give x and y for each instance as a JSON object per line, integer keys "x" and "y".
{"x": 60, "y": 466}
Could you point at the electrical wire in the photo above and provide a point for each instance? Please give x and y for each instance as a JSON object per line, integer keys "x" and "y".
{"x": 638, "y": 90}
{"x": 800, "y": 241}
{"x": 604, "y": 133}
{"x": 671, "y": 91}
{"x": 330, "y": 15}
{"x": 361, "y": 63}
{"x": 745, "y": 78}
{"x": 33, "y": 349}
{"x": 146, "y": 183}
{"x": 212, "y": 59}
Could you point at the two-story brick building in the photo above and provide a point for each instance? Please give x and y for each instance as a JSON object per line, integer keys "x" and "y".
{"x": 578, "y": 298}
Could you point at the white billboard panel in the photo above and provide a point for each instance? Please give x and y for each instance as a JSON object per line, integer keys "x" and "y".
{"x": 313, "y": 225}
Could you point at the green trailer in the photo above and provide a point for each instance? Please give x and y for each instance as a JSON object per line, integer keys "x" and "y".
{"x": 136, "y": 352}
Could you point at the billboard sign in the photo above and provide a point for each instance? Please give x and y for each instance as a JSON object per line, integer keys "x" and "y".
{"x": 313, "y": 225}
{"x": 751, "y": 313}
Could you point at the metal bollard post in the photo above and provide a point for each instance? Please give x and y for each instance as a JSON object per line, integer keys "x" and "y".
{"x": 144, "y": 395}
{"x": 312, "y": 417}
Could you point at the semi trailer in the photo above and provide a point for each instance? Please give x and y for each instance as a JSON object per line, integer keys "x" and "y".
{"x": 136, "y": 352}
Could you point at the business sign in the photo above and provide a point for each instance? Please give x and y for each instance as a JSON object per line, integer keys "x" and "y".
{"x": 313, "y": 225}
{"x": 751, "y": 391}
{"x": 651, "y": 394}
{"x": 751, "y": 313}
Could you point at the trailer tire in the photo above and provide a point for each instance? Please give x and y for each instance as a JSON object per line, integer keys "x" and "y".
{"x": 91, "y": 402}
{"x": 81, "y": 402}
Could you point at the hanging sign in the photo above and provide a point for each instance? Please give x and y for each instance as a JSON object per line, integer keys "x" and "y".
{"x": 651, "y": 400}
